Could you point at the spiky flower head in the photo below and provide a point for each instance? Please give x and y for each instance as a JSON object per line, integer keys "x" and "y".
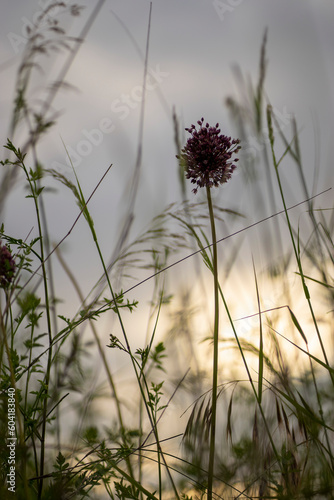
{"x": 7, "y": 266}
{"x": 207, "y": 156}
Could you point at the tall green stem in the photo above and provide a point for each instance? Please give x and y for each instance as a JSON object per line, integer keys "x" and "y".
{"x": 215, "y": 348}
{"x": 32, "y": 178}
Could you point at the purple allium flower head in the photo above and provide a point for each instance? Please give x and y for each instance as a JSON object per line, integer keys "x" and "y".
{"x": 206, "y": 157}
{"x": 7, "y": 266}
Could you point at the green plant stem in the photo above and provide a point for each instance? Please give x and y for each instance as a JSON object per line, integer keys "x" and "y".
{"x": 215, "y": 348}
{"x": 49, "y": 361}
{"x": 45, "y": 391}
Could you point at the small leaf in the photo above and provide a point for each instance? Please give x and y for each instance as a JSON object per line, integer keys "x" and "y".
{"x": 228, "y": 425}
{"x": 297, "y": 325}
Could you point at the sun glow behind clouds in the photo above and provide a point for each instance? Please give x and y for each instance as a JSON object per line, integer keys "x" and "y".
{"x": 278, "y": 328}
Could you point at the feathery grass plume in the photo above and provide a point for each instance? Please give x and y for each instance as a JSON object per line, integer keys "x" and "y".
{"x": 207, "y": 156}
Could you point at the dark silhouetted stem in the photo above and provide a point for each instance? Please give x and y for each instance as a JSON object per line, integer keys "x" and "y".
{"x": 215, "y": 348}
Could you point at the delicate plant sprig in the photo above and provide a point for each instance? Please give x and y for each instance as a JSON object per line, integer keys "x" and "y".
{"x": 33, "y": 177}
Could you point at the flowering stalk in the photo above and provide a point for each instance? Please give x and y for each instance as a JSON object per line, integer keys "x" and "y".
{"x": 207, "y": 162}
{"x": 215, "y": 346}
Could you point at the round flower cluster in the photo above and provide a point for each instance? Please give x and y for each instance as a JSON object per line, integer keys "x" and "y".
{"x": 206, "y": 157}
{"x": 7, "y": 266}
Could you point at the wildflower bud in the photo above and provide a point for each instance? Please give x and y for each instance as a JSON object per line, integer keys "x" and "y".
{"x": 7, "y": 266}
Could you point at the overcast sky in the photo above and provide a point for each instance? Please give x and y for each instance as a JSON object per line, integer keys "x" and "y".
{"x": 194, "y": 46}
